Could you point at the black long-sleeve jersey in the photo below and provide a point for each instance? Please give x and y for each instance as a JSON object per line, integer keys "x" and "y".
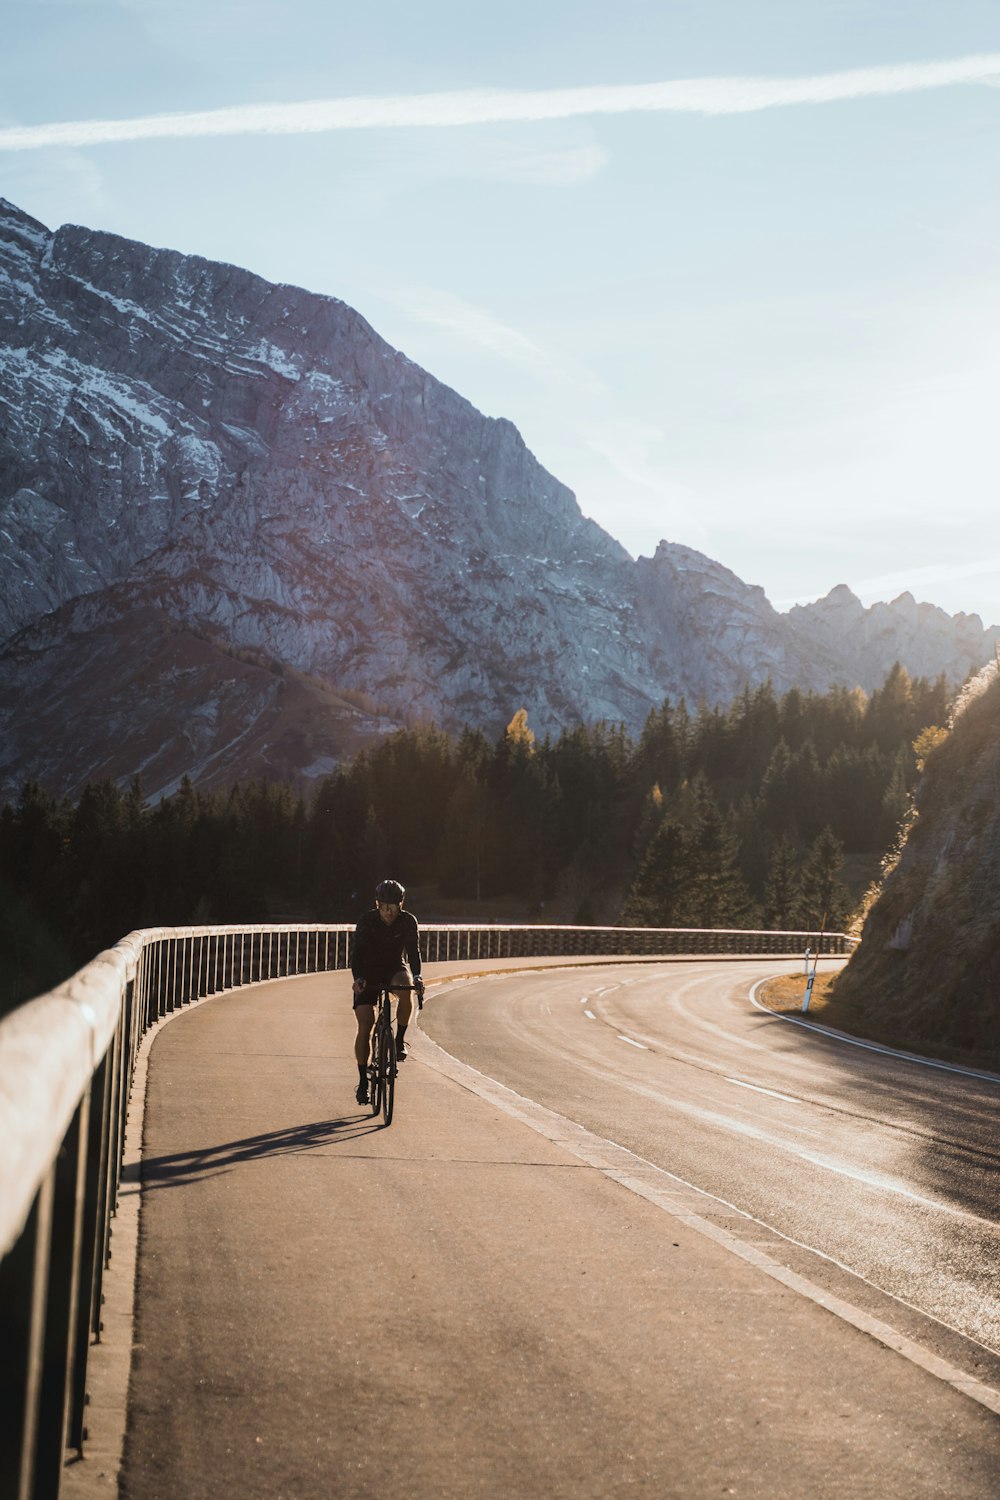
{"x": 379, "y": 949}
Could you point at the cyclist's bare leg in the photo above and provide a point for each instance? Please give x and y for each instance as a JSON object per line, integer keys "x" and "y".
{"x": 404, "y": 999}
{"x": 362, "y": 1042}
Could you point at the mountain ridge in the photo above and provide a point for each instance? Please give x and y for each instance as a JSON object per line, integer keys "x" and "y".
{"x": 254, "y": 464}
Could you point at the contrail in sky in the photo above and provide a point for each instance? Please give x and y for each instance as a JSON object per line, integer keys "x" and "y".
{"x": 708, "y": 96}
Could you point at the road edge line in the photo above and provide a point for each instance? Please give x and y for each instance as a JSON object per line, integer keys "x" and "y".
{"x": 855, "y": 1041}
{"x": 648, "y": 1181}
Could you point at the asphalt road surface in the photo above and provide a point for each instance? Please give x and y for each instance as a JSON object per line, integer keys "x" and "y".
{"x": 626, "y": 1235}
{"x": 886, "y": 1167}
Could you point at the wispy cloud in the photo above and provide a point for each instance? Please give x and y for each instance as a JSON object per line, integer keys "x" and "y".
{"x": 632, "y": 449}
{"x": 709, "y": 96}
{"x": 560, "y": 167}
{"x": 916, "y": 581}
{"x": 476, "y": 325}
{"x": 919, "y": 578}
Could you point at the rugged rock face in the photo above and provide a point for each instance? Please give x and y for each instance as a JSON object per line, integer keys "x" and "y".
{"x": 928, "y": 966}
{"x": 709, "y": 634}
{"x": 839, "y": 629}
{"x": 190, "y": 454}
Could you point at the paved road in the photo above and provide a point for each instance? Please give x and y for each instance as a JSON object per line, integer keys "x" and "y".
{"x": 887, "y": 1167}
{"x": 465, "y": 1306}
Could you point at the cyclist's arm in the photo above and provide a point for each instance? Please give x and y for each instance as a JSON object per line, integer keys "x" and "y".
{"x": 413, "y": 952}
{"x": 357, "y": 958}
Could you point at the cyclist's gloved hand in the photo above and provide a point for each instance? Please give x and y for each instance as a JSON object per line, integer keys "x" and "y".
{"x": 418, "y": 984}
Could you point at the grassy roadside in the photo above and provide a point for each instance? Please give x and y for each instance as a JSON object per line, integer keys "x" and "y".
{"x": 786, "y": 992}
{"x": 784, "y": 995}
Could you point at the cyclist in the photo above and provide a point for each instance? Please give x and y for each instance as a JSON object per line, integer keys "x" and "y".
{"x": 385, "y": 938}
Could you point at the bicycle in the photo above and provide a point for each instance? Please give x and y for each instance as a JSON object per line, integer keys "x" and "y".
{"x": 382, "y": 1066}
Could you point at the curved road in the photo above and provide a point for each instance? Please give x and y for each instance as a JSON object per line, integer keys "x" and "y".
{"x": 720, "y": 1255}
{"x": 887, "y": 1167}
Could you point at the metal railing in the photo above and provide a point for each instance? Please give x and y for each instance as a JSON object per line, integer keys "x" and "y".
{"x": 66, "y": 1066}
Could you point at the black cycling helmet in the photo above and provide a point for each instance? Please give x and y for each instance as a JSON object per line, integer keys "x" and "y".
{"x": 390, "y": 890}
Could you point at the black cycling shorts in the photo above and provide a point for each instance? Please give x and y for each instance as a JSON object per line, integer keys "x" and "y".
{"x": 369, "y": 995}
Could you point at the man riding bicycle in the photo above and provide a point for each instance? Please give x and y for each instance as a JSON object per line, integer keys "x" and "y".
{"x": 385, "y": 940}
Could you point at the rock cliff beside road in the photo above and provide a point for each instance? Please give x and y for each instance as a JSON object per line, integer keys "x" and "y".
{"x": 242, "y": 535}
{"x": 927, "y": 971}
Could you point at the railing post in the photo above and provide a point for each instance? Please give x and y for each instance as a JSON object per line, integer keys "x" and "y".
{"x": 162, "y": 945}
{"x": 92, "y": 1237}
{"x": 60, "y": 1319}
{"x": 24, "y": 1274}
{"x": 101, "y": 1106}
{"x": 115, "y": 1132}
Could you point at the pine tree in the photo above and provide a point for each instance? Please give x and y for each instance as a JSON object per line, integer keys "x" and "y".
{"x": 656, "y": 892}
{"x": 714, "y": 892}
{"x": 662, "y": 752}
{"x": 372, "y": 854}
{"x": 824, "y": 898}
{"x": 896, "y": 800}
{"x": 782, "y": 893}
{"x": 890, "y": 714}
{"x": 777, "y": 795}
{"x": 649, "y": 820}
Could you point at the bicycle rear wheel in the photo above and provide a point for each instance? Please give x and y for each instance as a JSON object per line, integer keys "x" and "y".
{"x": 375, "y": 1077}
{"x": 377, "y": 1068}
{"x": 388, "y": 1071}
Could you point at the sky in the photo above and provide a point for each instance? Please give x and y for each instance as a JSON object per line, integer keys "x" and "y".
{"x": 732, "y": 267}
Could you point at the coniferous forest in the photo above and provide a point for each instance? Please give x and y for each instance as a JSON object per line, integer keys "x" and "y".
{"x": 774, "y": 812}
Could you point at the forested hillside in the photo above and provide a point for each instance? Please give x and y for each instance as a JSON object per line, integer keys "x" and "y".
{"x": 774, "y": 812}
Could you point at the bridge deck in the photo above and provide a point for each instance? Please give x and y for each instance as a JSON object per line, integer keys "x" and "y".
{"x": 457, "y": 1307}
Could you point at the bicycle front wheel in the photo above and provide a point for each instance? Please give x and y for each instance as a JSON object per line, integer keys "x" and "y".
{"x": 388, "y": 1071}
{"x": 374, "y": 1082}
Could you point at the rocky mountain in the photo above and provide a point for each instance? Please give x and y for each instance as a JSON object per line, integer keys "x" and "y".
{"x": 927, "y": 971}
{"x": 840, "y": 630}
{"x": 241, "y": 535}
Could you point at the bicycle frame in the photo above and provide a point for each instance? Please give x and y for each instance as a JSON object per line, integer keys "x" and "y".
{"x": 382, "y": 1063}
{"x": 382, "y": 1057}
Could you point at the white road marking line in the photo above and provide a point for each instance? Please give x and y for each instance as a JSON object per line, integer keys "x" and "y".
{"x": 660, "y": 1187}
{"x": 879, "y": 1181}
{"x": 773, "y": 1093}
{"x": 890, "y": 1185}
{"x": 853, "y": 1041}
{"x": 875, "y": 1181}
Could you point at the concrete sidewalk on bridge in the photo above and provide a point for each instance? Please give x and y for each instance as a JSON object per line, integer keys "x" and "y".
{"x": 457, "y": 1307}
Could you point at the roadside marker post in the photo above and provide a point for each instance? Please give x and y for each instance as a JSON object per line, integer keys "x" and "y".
{"x": 812, "y": 977}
